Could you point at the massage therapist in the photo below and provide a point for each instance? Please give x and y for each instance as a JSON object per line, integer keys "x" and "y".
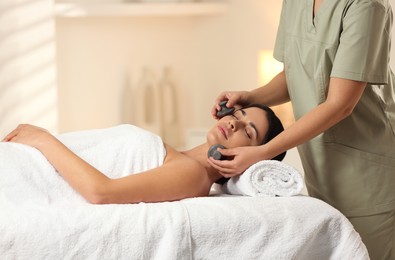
{"x": 338, "y": 79}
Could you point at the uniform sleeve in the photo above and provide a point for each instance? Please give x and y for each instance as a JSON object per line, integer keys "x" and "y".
{"x": 279, "y": 46}
{"x": 364, "y": 48}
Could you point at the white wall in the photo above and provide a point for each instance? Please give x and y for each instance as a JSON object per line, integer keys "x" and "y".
{"x": 27, "y": 65}
{"x": 97, "y": 57}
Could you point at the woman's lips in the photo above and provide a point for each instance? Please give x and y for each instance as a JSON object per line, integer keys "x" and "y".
{"x": 224, "y": 131}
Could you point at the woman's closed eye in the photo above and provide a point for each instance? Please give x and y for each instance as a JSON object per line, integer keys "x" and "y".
{"x": 246, "y": 131}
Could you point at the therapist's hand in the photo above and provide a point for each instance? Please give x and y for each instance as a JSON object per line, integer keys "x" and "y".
{"x": 234, "y": 98}
{"x": 243, "y": 157}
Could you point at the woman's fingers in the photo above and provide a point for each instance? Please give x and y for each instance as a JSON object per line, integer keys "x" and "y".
{"x": 17, "y": 131}
{"x": 11, "y": 135}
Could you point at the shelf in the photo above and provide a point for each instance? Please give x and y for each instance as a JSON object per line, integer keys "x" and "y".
{"x": 113, "y": 8}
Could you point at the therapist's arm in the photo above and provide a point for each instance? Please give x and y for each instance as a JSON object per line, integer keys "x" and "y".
{"x": 273, "y": 93}
{"x": 343, "y": 96}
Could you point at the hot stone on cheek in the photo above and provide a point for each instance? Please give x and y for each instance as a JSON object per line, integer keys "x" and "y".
{"x": 214, "y": 153}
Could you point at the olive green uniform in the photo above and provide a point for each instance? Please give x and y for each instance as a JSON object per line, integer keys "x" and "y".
{"x": 351, "y": 165}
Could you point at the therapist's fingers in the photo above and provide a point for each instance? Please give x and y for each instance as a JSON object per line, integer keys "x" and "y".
{"x": 221, "y": 97}
{"x": 233, "y": 99}
{"x": 214, "y": 111}
{"x": 226, "y": 168}
{"x": 239, "y": 159}
{"x": 238, "y": 98}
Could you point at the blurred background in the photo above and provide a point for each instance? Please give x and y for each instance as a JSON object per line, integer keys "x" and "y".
{"x": 73, "y": 65}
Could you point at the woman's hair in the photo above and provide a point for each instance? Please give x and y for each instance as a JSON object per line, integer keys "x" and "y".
{"x": 274, "y": 129}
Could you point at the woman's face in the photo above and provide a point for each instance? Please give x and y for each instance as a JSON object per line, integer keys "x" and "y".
{"x": 244, "y": 128}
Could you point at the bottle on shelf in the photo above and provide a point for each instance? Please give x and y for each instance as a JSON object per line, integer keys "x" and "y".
{"x": 170, "y": 110}
{"x": 147, "y": 103}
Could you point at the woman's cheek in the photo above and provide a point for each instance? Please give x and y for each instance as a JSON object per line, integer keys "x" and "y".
{"x": 239, "y": 140}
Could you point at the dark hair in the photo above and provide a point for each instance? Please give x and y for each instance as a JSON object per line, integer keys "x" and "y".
{"x": 275, "y": 128}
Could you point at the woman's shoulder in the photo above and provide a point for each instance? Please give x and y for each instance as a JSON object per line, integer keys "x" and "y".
{"x": 189, "y": 171}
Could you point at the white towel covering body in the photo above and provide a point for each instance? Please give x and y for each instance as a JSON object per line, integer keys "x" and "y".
{"x": 118, "y": 151}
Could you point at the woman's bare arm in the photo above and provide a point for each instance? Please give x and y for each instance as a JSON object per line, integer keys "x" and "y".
{"x": 178, "y": 178}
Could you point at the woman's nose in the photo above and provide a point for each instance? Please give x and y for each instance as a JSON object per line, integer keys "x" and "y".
{"x": 234, "y": 125}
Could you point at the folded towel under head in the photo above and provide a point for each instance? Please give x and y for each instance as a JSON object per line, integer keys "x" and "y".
{"x": 267, "y": 178}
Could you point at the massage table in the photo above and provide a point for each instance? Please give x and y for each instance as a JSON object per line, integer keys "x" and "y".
{"x": 42, "y": 217}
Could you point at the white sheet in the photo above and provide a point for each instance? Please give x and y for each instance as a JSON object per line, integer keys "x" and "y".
{"x": 300, "y": 227}
{"x": 216, "y": 227}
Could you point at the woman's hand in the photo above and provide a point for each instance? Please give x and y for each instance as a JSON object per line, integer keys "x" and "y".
{"x": 243, "y": 157}
{"x": 233, "y": 97}
{"x": 29, "y": 135}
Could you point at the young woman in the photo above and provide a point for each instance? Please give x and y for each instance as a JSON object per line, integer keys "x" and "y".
{"x": 181, "y": 175}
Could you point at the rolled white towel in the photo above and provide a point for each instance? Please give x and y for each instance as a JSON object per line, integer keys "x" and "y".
{"x": 267, "y": 178}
